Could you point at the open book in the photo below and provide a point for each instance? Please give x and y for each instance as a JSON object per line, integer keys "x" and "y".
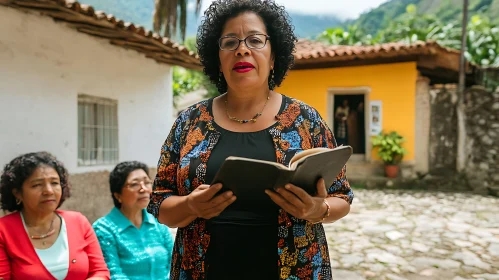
{"x": 249, "y": 178}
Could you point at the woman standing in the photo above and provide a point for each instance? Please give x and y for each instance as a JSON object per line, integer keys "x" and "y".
{"x": 37, "y": 241}
{"x": 134, "y": 244}
{"x": 246, "y": 48}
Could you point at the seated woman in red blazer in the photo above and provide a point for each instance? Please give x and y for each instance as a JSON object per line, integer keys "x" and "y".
{"x": 37, "y": 241}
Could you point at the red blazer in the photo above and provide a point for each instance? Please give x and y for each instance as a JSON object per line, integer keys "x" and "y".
{"x": 18, "y": 259}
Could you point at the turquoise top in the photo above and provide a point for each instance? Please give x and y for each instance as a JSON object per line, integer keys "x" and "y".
{"x": 133, "y": 253}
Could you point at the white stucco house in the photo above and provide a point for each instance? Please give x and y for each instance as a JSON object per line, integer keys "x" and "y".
{"x": 83, "y": 85}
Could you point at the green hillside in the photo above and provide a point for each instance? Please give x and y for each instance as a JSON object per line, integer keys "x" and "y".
{"x": 445, "y": 10}
{"x": 140, "y": 12}
{"x": 309, "y": 26}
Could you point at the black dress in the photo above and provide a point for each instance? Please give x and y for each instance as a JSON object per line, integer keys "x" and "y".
{"x": 243, "y": 242}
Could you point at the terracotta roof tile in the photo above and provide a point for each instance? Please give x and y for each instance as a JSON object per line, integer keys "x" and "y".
{"x": 128, "y": 35}
{"x": 124, "y": 34}
{"x": 311, "y": 51}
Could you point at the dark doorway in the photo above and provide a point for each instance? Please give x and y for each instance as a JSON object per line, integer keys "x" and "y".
{"x": 349, "y": 121}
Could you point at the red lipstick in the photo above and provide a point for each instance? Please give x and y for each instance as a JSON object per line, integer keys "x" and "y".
{"x": 243, "y": 67}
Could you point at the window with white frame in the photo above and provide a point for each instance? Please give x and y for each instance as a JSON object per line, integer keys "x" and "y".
{"x": 97, "y": 131}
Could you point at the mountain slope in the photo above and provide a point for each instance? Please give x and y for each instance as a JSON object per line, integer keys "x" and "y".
{"x": 309, "y": 26}
{"x": 140, "y": 12}
{"x": 446, "y": 10}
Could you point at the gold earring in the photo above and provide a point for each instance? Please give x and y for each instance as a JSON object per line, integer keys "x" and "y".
{"x": 272, "y": 74}
{"x": 18, "y": 201}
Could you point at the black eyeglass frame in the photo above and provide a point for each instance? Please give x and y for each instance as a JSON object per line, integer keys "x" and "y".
{"x": 267, "y": 38}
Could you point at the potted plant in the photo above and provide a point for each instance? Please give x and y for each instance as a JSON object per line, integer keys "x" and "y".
{"x": 390, "y": 151}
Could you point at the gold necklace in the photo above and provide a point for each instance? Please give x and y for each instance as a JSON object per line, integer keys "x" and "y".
{"x": 253, "y": 120}
{"x": 49, "y": 233}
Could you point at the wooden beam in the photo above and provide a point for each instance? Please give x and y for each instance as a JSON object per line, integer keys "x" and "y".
{"x": 102, "y": 33}
{"x": 79, "y": 19}
{"x": 444, "y": 76}
{"x": 135, "y": 44}
{"x": 428, "y": 62}
{"x": 443, "y": 60}
{"x": 36, "y": 4}
{"x": 177, "y": 62}
{"x": 160, "y": 55}
{"x": 164, "y": 58}
{"x": 140, "y": 44}
{"x": 168, "y": 49}
{"x": 6, "y": 2}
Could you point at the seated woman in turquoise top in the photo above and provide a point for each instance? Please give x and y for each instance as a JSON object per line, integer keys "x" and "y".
{"x": 134, "y": 244}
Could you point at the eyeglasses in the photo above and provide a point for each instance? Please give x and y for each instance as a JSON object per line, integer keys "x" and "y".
{"x": 136, "y": 185}
{"x": 231, "y": 43}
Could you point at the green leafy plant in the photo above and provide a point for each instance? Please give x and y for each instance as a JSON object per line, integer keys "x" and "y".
{"x": 389, "y": 147}
{"x": 410, "y": 27}
{"x": 338, "y": 36}
{"x": 482, "y": 45}
{"x": 186, "y": 80}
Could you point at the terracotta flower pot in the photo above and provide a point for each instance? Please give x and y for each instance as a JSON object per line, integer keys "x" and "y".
{"x": 391, "y": 171}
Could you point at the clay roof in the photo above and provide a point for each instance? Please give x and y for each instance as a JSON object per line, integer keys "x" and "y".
{"x": 308, "y": 55}
{"x": 86, "y": 19}
{"x": 311, "y": 54}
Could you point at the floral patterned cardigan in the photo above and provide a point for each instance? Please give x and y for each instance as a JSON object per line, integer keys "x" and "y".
{"x": 302, "y": 246}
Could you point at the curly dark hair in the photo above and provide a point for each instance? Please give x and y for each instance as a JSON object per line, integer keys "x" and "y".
{"x": 277, "y": 23}
{"x": 20, "y": 168}
{"x": 117, "y": 178}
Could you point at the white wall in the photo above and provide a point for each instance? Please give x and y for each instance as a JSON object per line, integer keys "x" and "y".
{"x": 44, "y": 65}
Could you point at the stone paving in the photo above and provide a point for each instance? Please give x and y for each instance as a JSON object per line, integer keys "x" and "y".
{"x": 416, "y": 235}
{"x": 396, "y": 235}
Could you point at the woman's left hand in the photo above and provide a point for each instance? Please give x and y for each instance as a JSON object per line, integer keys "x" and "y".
{"x": 299, "y": 203}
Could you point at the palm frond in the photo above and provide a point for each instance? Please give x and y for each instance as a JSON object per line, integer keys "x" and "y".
{"x": 171, "y": 15}
{"x": 182, "y": 9}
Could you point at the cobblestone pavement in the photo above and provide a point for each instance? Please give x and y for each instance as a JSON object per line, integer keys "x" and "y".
{"x": 396, "y": 235}
{"x": 416, "y": 235}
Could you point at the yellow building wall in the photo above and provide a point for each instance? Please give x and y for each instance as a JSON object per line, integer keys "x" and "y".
{"x": 393, "y": 84}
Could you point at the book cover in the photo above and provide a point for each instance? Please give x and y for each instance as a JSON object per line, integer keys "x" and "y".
{"x": 249, "y": 178}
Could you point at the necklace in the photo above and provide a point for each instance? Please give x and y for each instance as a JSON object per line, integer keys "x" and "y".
{"x": 253, "y": 120}
{"x": 49, "y": 233}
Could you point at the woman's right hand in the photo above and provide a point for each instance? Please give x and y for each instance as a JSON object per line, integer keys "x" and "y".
{"x": 203, "y": 203}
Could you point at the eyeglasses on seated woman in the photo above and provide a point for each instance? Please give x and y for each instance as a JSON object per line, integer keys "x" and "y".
{"x": 134, "y": 244}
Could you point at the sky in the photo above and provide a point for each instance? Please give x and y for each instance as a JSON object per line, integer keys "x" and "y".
{"x": 344, "y": 9}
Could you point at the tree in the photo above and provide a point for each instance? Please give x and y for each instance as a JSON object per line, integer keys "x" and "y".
{"x": 186, "y": 80}
{"x": 338, "y": 36}
{"x": 411, "y": 27}
{"x": 482, "y": 40}
{"x": 203, "y": 80}
{"x": 167, "y": 13}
